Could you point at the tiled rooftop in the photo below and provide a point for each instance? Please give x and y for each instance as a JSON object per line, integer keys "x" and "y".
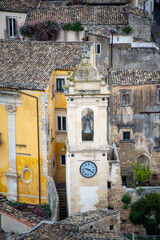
{"x": 90, "y": 216}
{"x": 108, "y": 1}
{"x": 17, "y": 5}
{"x": 29, "y": 64}
{"x": 95, "y": 15}
{"x": 58, "y": 231}
{"x": 17, "y": 215}
{"x": 134, "y": 77}
{"x": 106, "y": 15}
{"x": 69, "y": 228}
{"x": 91, "y": 1}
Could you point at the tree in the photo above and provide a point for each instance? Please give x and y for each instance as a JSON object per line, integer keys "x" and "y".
{"x": 141, "y": 173}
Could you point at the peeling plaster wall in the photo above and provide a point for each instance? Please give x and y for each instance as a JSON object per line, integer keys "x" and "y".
{"x": 142, "y": 119}
{"x": 44, "y": 132}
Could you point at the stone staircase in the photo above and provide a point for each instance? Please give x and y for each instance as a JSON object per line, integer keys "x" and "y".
{"x": 62, "y": 203}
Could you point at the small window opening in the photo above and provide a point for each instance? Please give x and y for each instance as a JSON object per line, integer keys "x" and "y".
{"x": 109, "y": 185}
{"x": 126, "y": 136}
{"x": 98, "y": 48}
{"x": 63, "y": 160}
{"x": 124, "y": 180}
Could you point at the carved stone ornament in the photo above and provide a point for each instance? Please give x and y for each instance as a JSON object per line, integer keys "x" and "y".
{"x": 27, "y": 170}
{"x": 10, "y": 108}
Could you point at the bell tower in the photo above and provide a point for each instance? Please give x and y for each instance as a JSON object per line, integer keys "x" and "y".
{"x": 86, "y": 161}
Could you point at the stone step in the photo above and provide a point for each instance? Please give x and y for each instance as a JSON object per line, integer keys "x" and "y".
{"x": 62, "y": 203}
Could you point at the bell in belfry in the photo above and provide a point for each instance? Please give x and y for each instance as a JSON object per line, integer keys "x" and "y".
{"x": 87, "y": 127}
{"x": 87, "y": 133}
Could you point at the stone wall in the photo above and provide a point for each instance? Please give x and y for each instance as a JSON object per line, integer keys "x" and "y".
{"x": 102, "y": 59}
{"x": 141, "y": 28}
{"x": 141, "y": 119}
{"x": 53, "y": 199}
{"x": 126, "y": 224}
{"x": 96, "y": 220}
{"x": 125, "y": 57}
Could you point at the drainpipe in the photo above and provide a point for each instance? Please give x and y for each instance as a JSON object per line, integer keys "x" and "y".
{"x": 39, "y": 176}
{"x": 112, "y": 49}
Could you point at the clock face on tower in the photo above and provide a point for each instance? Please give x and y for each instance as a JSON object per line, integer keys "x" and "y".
{"x": 88, "y": 169}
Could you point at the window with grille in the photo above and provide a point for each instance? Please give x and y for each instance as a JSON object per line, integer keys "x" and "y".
{"x": 59, "y": 84}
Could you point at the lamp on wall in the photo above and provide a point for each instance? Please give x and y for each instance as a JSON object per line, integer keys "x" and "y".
{"x": 64, "y": 148}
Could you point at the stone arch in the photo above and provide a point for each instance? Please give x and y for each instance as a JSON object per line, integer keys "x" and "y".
{"x": 143, "y": 159}
{"x": 87, "y": 119}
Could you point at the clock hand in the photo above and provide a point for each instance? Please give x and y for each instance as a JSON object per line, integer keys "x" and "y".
{"x": 89, "y": 170}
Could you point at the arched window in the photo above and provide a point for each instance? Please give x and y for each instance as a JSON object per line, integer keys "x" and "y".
{"x": 87, "y": 124}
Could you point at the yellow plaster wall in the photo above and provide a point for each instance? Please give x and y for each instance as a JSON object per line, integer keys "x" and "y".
{"x": 60, "y": 170}
{"x": 27, "y": 157}
{"x": 60, "y": 102}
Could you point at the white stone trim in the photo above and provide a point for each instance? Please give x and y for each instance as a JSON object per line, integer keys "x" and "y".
{"x": 26, "y": 169}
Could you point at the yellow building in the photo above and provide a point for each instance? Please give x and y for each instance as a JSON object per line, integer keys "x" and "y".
{"x": 33, "y": 117}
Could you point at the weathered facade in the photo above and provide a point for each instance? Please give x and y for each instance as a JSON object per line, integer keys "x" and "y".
{"x": 30, "y": 104}
{"x": 135, "y": 120}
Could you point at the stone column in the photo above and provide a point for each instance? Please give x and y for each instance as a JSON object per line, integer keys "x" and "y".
{"x": 12, "y": 173}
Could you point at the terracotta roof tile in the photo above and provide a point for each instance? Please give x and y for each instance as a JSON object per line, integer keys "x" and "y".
{"x": 102, "y": 15}
{"x": 134, "y": 77}
{"x": 70, "y": 228}
{"x": 138, "y": 12}
{"x": 17, "y": 5}
{"x": 17, "y": 215}
{"x": 108, "y": 1}
{"x": 29, "y": 65}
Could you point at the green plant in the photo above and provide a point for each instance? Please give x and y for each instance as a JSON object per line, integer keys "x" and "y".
{"x": 141, "y": 173}
{"x": 42, "y": 29}
{"x": 159, "y": 34}
{"x": 125, "y": 206}
{"x": 139, "y": 191}
{"x": 157, "y": 217}
{"x": 150, "y": 225}
{"x": 77, "y": 26}
{"x": 126, "y": 199}
{"x": 127, "y": 30}
{"x": 18, "y": 205}
{"x": 146, "y": 211}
